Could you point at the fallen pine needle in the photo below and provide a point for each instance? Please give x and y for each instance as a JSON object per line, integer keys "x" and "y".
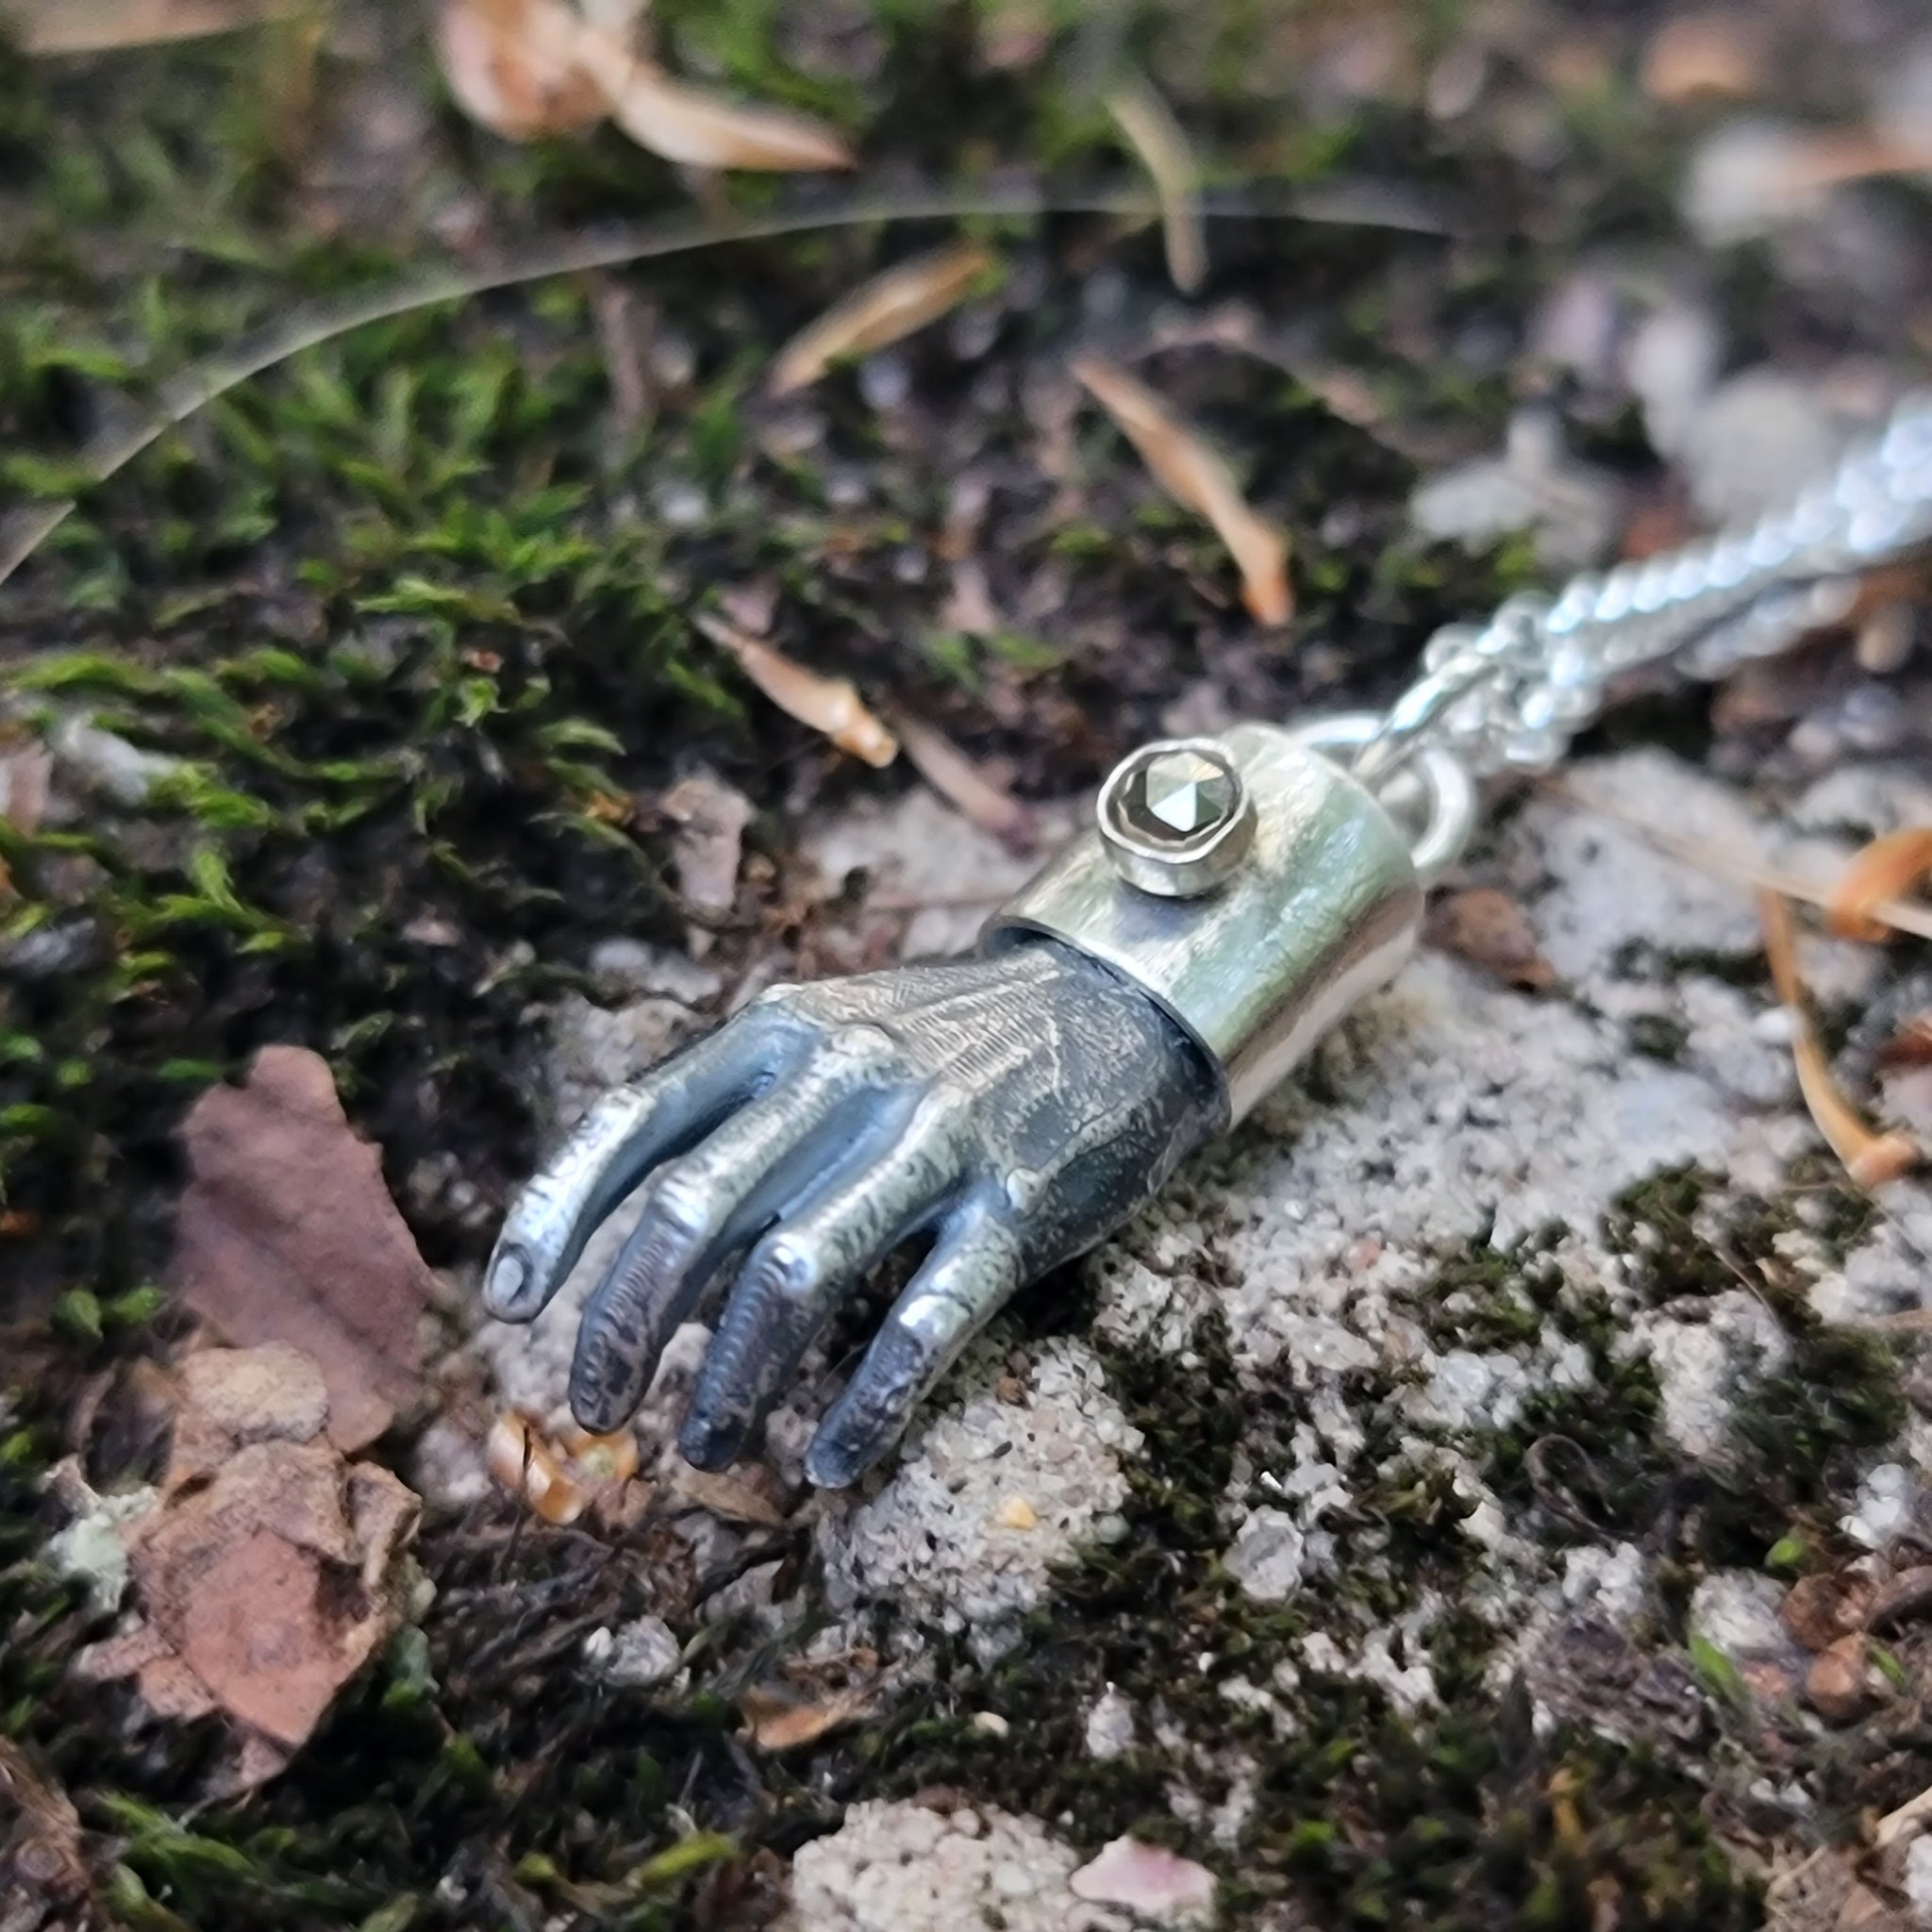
{"x": 1870, "y": 1158}
{"x": 829, "y": 704}
{"x": 1740, "y": 868}
{"x": 698, "y": 127}
{"x": 960, "y": 782}
{"x": 884, "y": 310}
{"x": 1195, "y": 475}
{"x": 1158, "y": 138}
{"x": 1878, "y": 875}
{"x": 103, "y": 26}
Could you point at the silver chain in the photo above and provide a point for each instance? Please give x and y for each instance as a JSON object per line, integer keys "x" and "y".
{"x": 1509, "y": 694}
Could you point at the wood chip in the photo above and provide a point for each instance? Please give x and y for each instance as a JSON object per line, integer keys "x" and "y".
{"x": 733, "y": 1498}
{"x": 829, "y": 705}
{"x": 514, "y": 66}
{"x": 777, "y": 1725}
{"x": 1911, "y": 1046}
{"x": 699, "y": 128}
{"x": 963, "y": 784}
{"x": 1489, "y": 929}
{"x": 885, "y": 309}
{"x": 1158, "y": 138}
{"x": 104, "y": 27}
{"x": 1196, "y": 475}
{"x": 287, "y": 1233}
{"x": 1885, "y": 869}
{"x": 559, "y": 1481}
{"x": 1870, "y": 1158}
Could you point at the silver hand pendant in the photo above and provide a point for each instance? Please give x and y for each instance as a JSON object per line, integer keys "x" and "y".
{"x": 1235, "y": 897}
{"x": 1007, "y": 1112}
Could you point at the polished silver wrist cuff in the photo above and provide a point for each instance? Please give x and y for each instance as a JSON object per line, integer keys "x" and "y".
{"x": 1251, "y": 886}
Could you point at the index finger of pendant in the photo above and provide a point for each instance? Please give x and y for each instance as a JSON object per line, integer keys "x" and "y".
{"x": 628, "y": 1132}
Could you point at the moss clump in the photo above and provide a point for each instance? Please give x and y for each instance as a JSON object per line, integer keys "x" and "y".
{"x": 1358, "y": 1818}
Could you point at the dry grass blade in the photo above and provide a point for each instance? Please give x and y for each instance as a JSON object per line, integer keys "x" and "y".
{"x": 882, "y": 311}
{"x": 1880, "y": 873}
{"x": 962, "y": 783}
{"x": 829, "y": 705}
{"x": 1741, "y": 868}
{"x": 514, "y": 66}
{"x": 703, "y": 129}
{"x": 1195, "y": 475}
{"x": 1158, "y": 138}
{"x": 102, "y": 26}
{"x": 1871, "y": 1159}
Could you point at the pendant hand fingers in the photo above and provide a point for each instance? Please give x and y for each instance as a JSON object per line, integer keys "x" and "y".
{"x": 797, "y": 1274}
{"x": 625, "y": 1135}
{"x": 965, "y": 1281}
{"x": 699, "y": 1209}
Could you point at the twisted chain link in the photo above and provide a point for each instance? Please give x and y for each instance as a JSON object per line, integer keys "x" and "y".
{"x": 1510, "y": 695}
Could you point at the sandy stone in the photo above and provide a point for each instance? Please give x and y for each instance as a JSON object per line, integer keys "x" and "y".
{"x": 901, "y": 1868}
{"x": 932, "y": 1540}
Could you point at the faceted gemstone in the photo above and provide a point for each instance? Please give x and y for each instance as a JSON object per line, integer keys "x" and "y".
{"x": 1179, "y": 796}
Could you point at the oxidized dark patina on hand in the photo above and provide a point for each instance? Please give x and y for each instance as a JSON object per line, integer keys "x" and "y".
{"x": 1011, "y": 1111}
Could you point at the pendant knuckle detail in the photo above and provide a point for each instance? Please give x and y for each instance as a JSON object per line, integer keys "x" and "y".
{"x": 1320, "y": 909}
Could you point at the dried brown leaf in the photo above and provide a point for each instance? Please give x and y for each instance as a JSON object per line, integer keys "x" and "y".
{"x": 515, "y": 66}
{"x": 1489, "y": 929}
{"x": 829, "y": 705}
{"x": 884, "y": 310}
{"x": 287, "y": 1233}
{"x": 1887, "y": 869}
{"x": 1162, "y": 146}
{"x": 777, "y": 1723}
{"x": 103, "y": 26}
{"x": 1196, "y": 475}
{"x": 44, "y": 1874}
{"x": 963, "y": 784}
{"x": 1870, "y": 1158}
{"x": 263, "y": 1591}
{"x": 699, "y": 128}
